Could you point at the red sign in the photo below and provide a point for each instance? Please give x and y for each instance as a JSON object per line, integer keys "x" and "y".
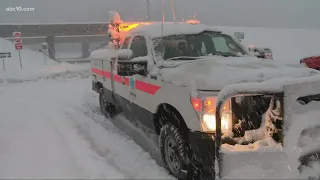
{"x": 17, "y": 37}
{"x": 18, "y": 46}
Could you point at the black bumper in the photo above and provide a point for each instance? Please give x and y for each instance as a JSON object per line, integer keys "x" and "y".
{"x": 203, "y": 148}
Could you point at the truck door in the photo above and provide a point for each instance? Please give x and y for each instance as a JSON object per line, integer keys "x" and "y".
{"x": 114, "y": 75}
{"x": 119, "y": 87}
{"x": 139, "y": 85}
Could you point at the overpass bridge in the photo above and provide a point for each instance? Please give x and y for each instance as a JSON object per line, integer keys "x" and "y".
{"x": 69, "y": 38}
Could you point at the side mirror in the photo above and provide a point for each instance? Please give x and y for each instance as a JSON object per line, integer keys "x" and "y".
{"x": 130, "y": 68}
{"x": 263, "y": 52}
{"x": 124, "y": 54}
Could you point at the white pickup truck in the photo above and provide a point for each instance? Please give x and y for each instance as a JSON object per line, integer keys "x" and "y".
{"x": 167, "y": 76}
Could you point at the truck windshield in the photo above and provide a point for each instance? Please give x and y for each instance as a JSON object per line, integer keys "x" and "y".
{"x": 196, "y": 45}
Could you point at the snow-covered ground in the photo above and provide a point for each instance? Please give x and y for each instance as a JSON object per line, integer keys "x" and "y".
{"x": 51, "y": 126}
{"x": 34, "y": 65}
{"x": 52, "y": 129}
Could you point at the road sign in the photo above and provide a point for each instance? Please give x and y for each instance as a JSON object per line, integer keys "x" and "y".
{"x": 239, "y": 35}
{"x": 17, "y": 37}
{"x": 5, "y": 55}
{"x": 18, "y": 46}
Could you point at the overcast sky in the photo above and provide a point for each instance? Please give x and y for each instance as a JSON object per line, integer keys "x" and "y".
{"x": 266, "y": 13}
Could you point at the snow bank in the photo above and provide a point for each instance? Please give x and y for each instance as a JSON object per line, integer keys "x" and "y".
{"x": 288, "y": 45}
{"x": 33, "y": 65}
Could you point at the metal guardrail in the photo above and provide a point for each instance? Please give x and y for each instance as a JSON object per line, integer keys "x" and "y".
{"x": 74, "y": 61}
{"x": 68, "y": 36}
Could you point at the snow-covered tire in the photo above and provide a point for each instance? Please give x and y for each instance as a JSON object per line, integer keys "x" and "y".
{"x": 107, "y": 108}
{"x": 310, "y": 164}
{"x": 173, "y": 149}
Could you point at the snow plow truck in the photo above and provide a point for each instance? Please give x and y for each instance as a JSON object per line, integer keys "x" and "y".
{"x": 216, "y": 111}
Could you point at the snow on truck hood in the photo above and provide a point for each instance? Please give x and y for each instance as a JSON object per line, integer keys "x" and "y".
{"x": 215, "y": 72}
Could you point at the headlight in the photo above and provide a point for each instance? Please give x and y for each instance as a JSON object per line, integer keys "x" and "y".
{"x": 209, "y": 118}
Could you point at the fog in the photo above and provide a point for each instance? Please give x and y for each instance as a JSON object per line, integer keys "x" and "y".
{"x": 262, "y": 13}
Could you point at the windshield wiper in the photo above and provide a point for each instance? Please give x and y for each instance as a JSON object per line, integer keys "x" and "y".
{"x": 183, "y": 58}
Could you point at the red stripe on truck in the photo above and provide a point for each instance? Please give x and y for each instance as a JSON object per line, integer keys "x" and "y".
{"x": 147, "y": 88}
{"x": 139, "y": 85}
{"x": 117, "y": 78}
{"x": 101, "y": 72}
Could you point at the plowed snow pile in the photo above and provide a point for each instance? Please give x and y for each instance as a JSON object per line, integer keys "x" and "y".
{"x": 33, "y": 65}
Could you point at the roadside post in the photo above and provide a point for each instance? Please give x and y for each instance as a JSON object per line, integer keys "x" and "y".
{"x": 4, "y": 55}
{"x": 44, "y": 49}
{"x": 18, "y": 44}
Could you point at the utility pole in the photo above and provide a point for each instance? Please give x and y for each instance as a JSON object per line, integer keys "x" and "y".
{"x": 148, "y": 17}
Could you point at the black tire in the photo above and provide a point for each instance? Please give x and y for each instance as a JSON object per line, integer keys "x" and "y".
{"x": 174, "y": 150}
{"x": 107, "y": 108}
{"x": 307, "y": 162}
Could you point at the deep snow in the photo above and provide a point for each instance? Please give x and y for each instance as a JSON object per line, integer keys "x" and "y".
{"x": 49, "y": 129}
{"x": 34, "y": 66}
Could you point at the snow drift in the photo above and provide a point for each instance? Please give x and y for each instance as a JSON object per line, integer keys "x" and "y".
{"x": 34, "y": 66}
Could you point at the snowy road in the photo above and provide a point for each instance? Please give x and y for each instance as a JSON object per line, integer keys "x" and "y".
{"x": 49, "y": 129}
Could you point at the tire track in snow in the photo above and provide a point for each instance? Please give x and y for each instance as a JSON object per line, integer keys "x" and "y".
{"x": 63, "y": 141}
{"x": 118, "y": 149}
{"x": 80, "y": 152}
{"x": 82, "y": 130}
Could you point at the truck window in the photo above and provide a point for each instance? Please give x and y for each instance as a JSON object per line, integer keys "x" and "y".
{"x": 126, "y": 43}
{"x": 196, "y": 45}
{"x": 224, "y": 44}
{"x": 139, "y": 47}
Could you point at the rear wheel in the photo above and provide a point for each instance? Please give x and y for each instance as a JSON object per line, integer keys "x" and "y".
{"x": 173, "y": 149}
{"x": 107, "y": 108}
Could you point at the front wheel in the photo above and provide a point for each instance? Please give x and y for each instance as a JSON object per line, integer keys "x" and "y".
{"x": 107, "y": 108}
{"x": 310, "y": 166}
{"x": 173, "y": 149}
